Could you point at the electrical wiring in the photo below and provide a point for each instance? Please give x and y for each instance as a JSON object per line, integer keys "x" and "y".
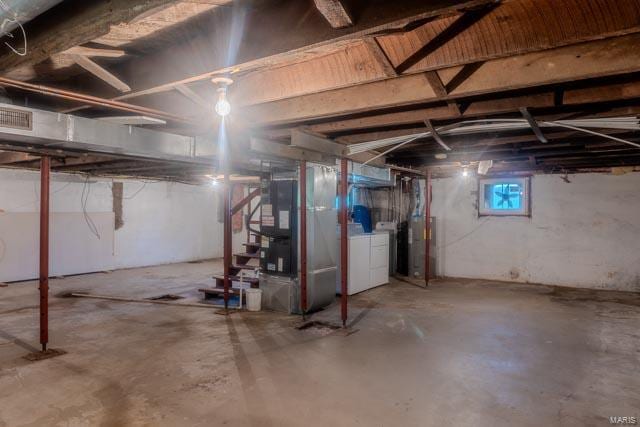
{"x": 496, "y": 125}
{"x": 137, "y": 192}
{"x": 34, "y": 201}
{"x": 15, "y": 20}
{"x": 84, "y": 198}
{"x": 464, "y": 236}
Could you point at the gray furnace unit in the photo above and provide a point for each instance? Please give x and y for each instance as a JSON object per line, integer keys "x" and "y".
{"x": 280, "y": 241}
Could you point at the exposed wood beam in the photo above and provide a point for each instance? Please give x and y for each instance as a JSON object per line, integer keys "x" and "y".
{"x": 436, "y": 84}
{"x": 334, "y": 12}
{"x": 380, "y": 56}
{"x": 194, "y": 97}
{"x": 510, "y": 31}
{"x": 609, "y": 57}
{"x": 441, "y": 91}
{"x": 72, "y": 24}
{"x": 513, "y": 28}
{"x": 307, "y": 141}
{"x": 463, "y": 75}
{"x": 269, "y": 42}
{"x": 100, "y": 73}
{"x": 90, "y": 51}
{"x": 591, "y": 100}
{"x": 466, "y": 20}
{"x": 7, "y": 157}
{"x": 276, "y": 150}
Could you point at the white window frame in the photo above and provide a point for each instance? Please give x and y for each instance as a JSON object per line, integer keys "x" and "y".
{"x": 525, "y": 208}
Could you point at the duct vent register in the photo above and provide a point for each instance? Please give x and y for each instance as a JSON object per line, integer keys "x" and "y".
{"x": 15, "y": 119}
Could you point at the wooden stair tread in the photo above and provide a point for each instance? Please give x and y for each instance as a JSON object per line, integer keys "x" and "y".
{"x": 247, "y": 255}
{"x": 251, "y": 280}
{"x": 245, "y": 267}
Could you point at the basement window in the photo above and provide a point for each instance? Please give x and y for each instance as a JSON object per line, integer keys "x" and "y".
{"x": 504, "y": 196}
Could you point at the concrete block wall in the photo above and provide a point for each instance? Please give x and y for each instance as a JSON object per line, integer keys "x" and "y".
{"x": 585, "y": 233}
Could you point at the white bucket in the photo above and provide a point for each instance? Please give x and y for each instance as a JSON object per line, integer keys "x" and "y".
{"x": 254, "y": 299}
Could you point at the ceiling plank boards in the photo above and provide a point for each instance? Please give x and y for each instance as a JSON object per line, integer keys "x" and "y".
{"x": 269, "y": 42}
{"x": 458, "y": 26}
{"x": 516, "y": 27}
{"x": 614, "y": 56}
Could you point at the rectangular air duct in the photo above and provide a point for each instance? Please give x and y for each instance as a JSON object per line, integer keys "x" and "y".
{"x": 28, "y": 127}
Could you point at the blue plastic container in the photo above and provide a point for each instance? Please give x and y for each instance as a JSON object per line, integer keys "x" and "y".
{"x": 362, "y": 215}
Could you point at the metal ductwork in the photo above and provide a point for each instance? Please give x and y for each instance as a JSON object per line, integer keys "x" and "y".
{"x": 14, "y": 12}
{"x": 28, "y": 127}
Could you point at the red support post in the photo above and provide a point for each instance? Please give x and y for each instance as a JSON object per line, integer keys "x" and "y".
{"x": 227, "y": 236}
{"x": 226, "y": 241}
{"x": 303, "y": 235}
{"x": 344, "y": 249}
{"x": 45, "y": 169}
{"x": 427, "y": 231}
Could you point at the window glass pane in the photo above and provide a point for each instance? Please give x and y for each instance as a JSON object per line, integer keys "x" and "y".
{"x": 503, "y": 196}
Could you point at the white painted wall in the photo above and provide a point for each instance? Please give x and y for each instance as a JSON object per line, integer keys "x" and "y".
{"x": 583, "y": 234}
{"x": 163, "y": 222}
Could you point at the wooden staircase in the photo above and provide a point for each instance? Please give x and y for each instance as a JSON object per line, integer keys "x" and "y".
{"x": 247, "y": 261}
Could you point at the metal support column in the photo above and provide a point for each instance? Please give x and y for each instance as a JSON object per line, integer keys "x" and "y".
{"x": 227, "y": 236}
{"x": 427, "y": 231}
{"x": 344, "y": 255}
{"x": 227, "y": 249}
{"x": 303, "y": 235}
{"x": 45, "y": 169}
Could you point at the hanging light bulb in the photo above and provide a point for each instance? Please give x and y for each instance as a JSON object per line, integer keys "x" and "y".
{"x": 465, "y": 172}
{"x": 222, "y": 107}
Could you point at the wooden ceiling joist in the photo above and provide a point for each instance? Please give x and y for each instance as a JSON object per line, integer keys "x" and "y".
{"x": 193, "y": 97}
{"x": 94, "y": 52}
{"x": 8, "y": 157}
{"x": 269, "y": 42}
{"x": 609, "y": 57}
{"x": 100, "y": 72}
{"x": 380, "y": 57}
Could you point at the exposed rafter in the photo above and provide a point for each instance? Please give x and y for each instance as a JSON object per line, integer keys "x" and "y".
{"x": 609, "y": 57}
{"x": 100, "y": 72}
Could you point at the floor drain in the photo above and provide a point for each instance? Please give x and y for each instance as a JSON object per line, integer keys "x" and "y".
{"x": 167, "y": 297}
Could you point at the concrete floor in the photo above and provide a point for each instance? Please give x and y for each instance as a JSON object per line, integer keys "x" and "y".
{"x": 459, "y": 353}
